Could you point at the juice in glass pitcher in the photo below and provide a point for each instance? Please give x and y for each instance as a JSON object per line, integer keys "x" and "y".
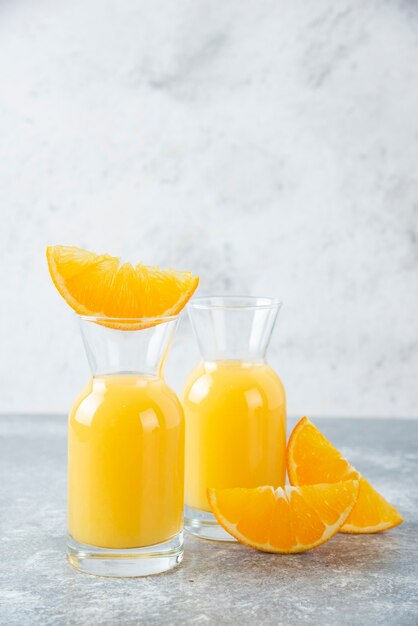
{"x": 126, "y": 428}
{"x": 126, "y": 455}
{"x": 235, "y": 406}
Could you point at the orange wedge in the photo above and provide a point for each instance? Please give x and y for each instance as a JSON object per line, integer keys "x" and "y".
{"x": 99, "y": 285}
{"x": 311, "y": 458}
{"x": 286, "y": 520}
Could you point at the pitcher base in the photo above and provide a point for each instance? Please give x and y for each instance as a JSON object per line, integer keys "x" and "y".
{"x": 204, "y": 525}
{"x": 119, "y": 563}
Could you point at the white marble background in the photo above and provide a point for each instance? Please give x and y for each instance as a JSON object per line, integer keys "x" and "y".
{"x": 271, "y": 146}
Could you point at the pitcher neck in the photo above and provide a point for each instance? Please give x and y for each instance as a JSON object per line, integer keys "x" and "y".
{"x": 233, "y": 328}
{"x": 127, "y": 346}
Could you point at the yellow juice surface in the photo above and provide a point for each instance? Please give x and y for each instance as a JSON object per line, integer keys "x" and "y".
{"x": 125, "y": 463}
{"x": 235, "y": 428}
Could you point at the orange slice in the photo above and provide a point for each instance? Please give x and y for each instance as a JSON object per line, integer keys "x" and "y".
{"x": 99, "y": 285}
{"x": 311, "y": 458}
{"x": 284, "y": 520}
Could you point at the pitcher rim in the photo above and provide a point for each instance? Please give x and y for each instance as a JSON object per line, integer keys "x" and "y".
{"x": 238, "y": 303}
{"x": 106, "y": 318}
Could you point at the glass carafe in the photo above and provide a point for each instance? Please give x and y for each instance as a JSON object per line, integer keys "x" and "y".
{"x": 234, "y": 404}
{"x": 126, "y": 453}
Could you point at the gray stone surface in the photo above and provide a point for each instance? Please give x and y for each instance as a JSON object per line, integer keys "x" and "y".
{"x": 350, "y": 580}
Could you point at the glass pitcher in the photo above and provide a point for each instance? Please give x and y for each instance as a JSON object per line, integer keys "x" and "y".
{"x": 126, "y": 453}
{"x": 234, "y": 404}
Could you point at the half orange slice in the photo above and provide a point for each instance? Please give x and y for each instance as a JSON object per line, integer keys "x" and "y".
{"x": 311, "y": 458}
{"x": 100, "y": 285}
{"x": 285, "y": 520}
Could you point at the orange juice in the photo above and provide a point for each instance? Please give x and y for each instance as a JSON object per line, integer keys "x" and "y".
{"x": 235, "y": 428}
{"x": 125, "y": 463}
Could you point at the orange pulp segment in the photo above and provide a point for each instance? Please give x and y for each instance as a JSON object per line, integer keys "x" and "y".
{"x": 311, "y": 458}
{"x": 99, "y": 285}
{"x": 286, "y": 520}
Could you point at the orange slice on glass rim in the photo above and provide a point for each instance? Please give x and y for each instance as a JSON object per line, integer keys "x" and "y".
{"x": 311, "y": 458}
{"x": 286, "y": 520}
{"x": 99, "y": 285}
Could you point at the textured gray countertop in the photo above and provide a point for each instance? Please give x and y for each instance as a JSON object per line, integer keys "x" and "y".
{"x": 350, "y": 580}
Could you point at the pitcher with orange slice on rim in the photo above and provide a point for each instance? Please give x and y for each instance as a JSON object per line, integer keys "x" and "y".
{"x": 126, "y": 428}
